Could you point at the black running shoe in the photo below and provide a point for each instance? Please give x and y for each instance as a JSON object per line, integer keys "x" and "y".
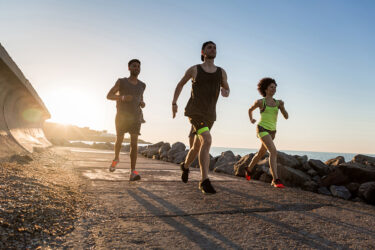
{"x": 185, "y": 173}
{"x": 206, "y": 187}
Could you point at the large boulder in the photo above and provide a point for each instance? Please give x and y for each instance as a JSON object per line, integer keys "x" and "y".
{"x": 164, "y": 148}
{"x": 348, "y": 172}
{"x": 239, "y": 166}
{"x": 319, "y": 167}
{"x": 367, "y": 192}
{"x": 180, "y": 156}
{"x": 105, "y": 146}
{"x": 213, "y": 161}
{"x": 153, "y": 149}
{"x": 364, "y": 159}
{"x": 311, "y": 186}
{"x": 266, "y": 178}
{"x": 324, "y": 190}
{"x": 340, "y": 191}
{"x": 176, "y": 148}
{"x": 291, "y": 176}
{"x": 301, "y": 159}
{"x": 288, "y": 160}
{"x": 353, "y": 188}
{"x": 163, "y": 151}
{"x": 225, "y": 163}
{"x": 335, "y": 161}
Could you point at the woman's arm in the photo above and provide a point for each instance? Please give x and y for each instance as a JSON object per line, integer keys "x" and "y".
{"x": 283, "y": 110}
{"x": 251, "y": 109}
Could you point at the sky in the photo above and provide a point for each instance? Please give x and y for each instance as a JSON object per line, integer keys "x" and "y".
{"x": 321, "y": 53}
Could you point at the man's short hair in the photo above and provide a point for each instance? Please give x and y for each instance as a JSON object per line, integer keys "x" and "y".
{"x": 204, "y": 46}
{"x": 134, "y": 60}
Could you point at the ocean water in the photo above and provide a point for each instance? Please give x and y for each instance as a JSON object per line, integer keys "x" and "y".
{"x": 323, "y": 156}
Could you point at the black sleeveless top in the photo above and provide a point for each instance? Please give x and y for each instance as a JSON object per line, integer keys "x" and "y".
{"x": 130, "y": 109}
{"x": 204, "y": 94}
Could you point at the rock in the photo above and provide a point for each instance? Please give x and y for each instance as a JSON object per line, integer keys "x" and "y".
{"x": 180, "y": 157}
{"x": 156, "y": 157}
{"x": 179, "y": 146}
{"x": 291, "y": 176}
{"x": 287, "y": 160}
{"x": 364, "y": 159}
{"x": 59, "y": 142}
{"x": 316, "y": 178}
{"x": 349, "y": 172}
{"x": 301, "y": 159}
{"x": 335, "y": 161}
{"x": 319, "y": 167}
{"x": 239, "y": 166}
{"x": 164, "y": 148}
{"x": 225, "y": 163}
{"x": 213, "y": 161}
{"x": 312, "y": 172}
{"x": 176, "y": 147}
{"x": 353, "y": 188}
{"x": 367, "y": 192}
{"x": 311, "y": 186}
{"x": 324, "y": 190}
{"x": 153, "y": 149}
{"x": 164, "y": 156}
{"x": 306, "y": 167}
{"x": 340, "y": 191}
{"x": 265, "y": 178}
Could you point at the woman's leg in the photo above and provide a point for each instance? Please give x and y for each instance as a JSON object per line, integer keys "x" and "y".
{"x": 267, "y": 141}
{"x": 257, "y": 157}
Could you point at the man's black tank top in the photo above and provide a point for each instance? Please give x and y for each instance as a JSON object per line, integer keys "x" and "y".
{"x": 130, "y": 109}
{"x": 204, "y": 94}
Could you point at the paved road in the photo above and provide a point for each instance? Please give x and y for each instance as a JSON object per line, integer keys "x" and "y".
{"x": 161, "y": 212}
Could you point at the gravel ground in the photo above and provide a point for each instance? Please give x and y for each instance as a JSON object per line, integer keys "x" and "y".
{"x": 40, "y": 200}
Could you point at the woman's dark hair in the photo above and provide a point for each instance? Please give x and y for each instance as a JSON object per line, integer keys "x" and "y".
{"x": 264, "y": 83}
{"x": 134, "y": 60}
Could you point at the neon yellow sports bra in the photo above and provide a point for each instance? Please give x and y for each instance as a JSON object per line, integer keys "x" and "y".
{"x": 268, "y": 116}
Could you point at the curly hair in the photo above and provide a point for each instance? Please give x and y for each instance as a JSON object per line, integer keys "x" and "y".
{"x": 264, "y": 83}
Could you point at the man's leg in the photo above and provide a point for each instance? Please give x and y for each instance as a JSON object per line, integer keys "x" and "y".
{"x": 193, "y": 152}
{"x": 133, "y": 150}
{"x": 204, "y": 153}
{"x": 118, "y": 144}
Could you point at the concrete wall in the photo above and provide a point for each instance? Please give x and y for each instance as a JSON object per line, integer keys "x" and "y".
{"x": 22, "y": 112}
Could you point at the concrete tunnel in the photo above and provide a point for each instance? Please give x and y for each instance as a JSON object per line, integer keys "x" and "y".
{"x": 22, "y": 112}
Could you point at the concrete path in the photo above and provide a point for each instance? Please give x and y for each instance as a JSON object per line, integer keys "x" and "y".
{"x": 161, "y": 212}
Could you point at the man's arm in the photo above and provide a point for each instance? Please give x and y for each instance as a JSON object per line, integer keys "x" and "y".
{"x": 283, "y": 110}
{"x": 142, "y": 104}
{"x": 188, "y": 75}
{"x": 224, "y": 84}
{"x": 112, "y": 94}
{"x": 252, "y": 108}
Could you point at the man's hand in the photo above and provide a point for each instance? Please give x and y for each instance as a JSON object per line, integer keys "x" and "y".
{"x": 174, "y": 109}
{"x": 224, "y": 92}
{"x": 142, "y": 104}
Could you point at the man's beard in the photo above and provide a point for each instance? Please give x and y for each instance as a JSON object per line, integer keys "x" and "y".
{"x": 210, "y": 57}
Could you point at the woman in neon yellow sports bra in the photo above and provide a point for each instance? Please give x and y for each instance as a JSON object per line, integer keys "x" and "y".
{"x": 266, "y": 129}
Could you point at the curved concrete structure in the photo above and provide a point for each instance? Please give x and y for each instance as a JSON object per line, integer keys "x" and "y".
{"x": 22, "y": 112}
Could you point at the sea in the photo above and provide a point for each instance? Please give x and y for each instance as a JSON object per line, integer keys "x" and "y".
{"x": 323, "y": 156}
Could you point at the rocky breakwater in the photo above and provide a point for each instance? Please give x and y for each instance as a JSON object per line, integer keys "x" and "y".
{"x": 352, "y": 180}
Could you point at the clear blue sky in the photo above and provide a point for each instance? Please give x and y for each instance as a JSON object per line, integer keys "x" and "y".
{"x": 321, "y": 53}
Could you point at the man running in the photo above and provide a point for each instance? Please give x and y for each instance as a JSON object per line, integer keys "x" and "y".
{"x": 207, "y": 80}
{"x": 128, "y": 93}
